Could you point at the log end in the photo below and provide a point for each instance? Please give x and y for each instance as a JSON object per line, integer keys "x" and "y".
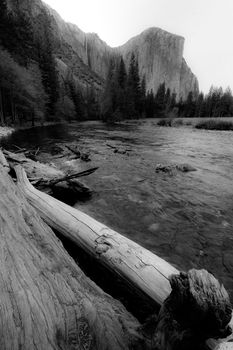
{"x": 207, "y": 302}
{"x": 198, "y": 308}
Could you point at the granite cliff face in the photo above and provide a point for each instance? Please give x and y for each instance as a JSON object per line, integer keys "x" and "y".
{"x": 87, "y": 57}
{"x": 188, "y": 81}
{"x": 160, "y": 58}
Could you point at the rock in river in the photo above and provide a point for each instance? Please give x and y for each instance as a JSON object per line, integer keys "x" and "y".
{"x": 184, "y": 168}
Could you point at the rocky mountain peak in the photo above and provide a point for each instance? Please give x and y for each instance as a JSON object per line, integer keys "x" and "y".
{"x": 160, "y": 58}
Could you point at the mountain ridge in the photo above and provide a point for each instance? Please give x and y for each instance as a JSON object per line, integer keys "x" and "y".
{"x": 88, "y": 57}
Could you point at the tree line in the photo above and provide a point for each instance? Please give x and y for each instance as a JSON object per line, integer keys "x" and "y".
{"x": 216, "y": 104}
{"x": 125, "y": 95}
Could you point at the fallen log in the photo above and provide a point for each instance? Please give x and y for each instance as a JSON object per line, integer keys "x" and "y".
{"x": 46, "y": 301}
{"x": 52, "y": 180}
{"x": 147, "y": 271}
{"x": 141, "y": 268}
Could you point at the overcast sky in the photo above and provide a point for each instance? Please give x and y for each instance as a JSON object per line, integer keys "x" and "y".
{"x": 207, "y": 26}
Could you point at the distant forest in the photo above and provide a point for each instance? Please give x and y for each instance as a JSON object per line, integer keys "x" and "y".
{"x": 32, "y": 90}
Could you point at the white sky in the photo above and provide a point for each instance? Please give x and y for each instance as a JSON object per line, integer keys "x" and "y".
{"x": 207, "y": 26}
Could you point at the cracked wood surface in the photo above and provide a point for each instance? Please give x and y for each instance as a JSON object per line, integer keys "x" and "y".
{"x": 144, "y": 269}
{"x": 46, "y": 301}
{"x": 139, "y": 266}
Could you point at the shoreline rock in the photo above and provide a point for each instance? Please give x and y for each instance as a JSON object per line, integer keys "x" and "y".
{"x": 5, "y": 131}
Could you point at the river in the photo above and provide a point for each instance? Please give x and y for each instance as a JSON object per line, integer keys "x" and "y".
{"x": 186, "y": 218}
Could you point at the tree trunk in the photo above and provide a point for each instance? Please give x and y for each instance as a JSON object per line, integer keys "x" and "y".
{"x": 2, "y": 118}
{"x": 46, "y": 301}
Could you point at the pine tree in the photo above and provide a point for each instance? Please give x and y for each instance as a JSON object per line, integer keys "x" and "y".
{"x": 109, "y": 96}
{"x": 189, "y": 110}
{"x": 142, "y": 109}
{"x": 121, "y": 74}
{"x": 160, "y": 100}
{"x": 5, "y": 24}
{"x": 133, "y": 89}
{"x": 120, "y": 110}
{"x": 150, "y": 105}
{"x": 92, "y": 104}
{"x": 173, "y": 101}
{"x": 226, "y": 104}
{"x": 199, "y": 108}
{"x": 77, "y": 99}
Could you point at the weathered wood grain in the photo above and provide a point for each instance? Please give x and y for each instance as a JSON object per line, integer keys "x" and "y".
{"x": 46, "y": 301}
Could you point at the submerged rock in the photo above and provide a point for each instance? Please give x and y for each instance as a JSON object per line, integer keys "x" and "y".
{"x": 184, "y": 168}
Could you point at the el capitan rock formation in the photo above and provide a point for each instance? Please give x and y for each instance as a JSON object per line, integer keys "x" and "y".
{"x": 87, "y": 57}
{"x": 160, "y": 59}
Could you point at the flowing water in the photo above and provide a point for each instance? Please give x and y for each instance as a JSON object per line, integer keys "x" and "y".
{"x": 186, "y": 218}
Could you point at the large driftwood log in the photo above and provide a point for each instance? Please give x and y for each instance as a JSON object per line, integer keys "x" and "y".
{"x": 197, "y": 308}
{"x": 46, "y": 302}
{"x": 140, "y": 267}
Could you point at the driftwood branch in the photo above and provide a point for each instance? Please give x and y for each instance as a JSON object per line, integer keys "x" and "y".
{"x": 72, "y": 176}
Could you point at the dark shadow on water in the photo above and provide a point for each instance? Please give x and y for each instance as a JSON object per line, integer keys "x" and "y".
{"x": 37, "y": 136}
{"x": 45, "y": 136}
{"x": 136, "y": 302}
